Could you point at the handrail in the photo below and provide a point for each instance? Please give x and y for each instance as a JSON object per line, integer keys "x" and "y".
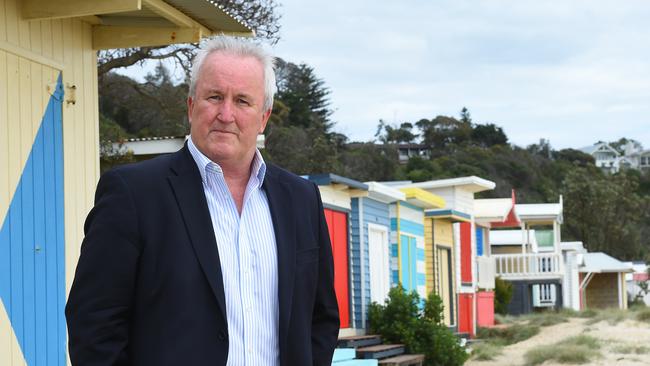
{"x": 528, "y": 265}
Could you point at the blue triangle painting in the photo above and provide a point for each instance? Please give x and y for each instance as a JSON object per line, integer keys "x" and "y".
{"x": 32, "y": 249}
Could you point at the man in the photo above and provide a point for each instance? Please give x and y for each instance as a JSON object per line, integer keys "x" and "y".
{"x": 207, "y": 256}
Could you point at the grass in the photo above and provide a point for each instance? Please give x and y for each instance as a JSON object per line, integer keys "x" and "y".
{"x": 486, "y": 351}
{"x": 575, "y": 350}
{"x": 548, "y": 318}
{"x": 510, "y": 335}
{"x": 643, "y": 315}
{"x": 612, "y": 316}
{"x": 632, "y": 349}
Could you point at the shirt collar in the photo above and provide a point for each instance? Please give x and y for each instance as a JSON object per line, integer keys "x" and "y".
{"x": 258, "y": 166}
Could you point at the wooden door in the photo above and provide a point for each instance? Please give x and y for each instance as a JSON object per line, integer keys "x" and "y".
{"x": 466, "y": 252}
{"x": 445, "y": 284}
{"x": 408, "y": 262}
{"x": 32, "y": 248}
{"x": 379, "y": 263}
{"x": 337, "y": 224}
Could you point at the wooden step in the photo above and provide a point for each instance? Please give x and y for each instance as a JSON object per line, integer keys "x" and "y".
{"x": 359, "y": 341}
{"x": 403, "y": 360}
{"x": 380, "y": 351}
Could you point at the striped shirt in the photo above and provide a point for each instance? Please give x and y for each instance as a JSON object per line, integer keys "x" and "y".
{"x": 249, "y": 266}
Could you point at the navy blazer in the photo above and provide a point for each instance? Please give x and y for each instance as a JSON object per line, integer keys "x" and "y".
{"x": 148, "y": 288}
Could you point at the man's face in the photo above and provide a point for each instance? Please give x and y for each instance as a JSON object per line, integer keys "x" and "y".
{"x": 227, "y": 112}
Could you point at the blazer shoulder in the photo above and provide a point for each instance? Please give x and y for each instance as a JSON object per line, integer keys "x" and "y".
{"x": 294, "y": 181}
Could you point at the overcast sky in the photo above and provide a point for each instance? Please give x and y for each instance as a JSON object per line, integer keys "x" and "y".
{"x": 572, "y": 71}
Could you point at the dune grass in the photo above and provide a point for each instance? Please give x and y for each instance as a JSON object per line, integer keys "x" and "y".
{"x": 632, "y": 349}
{"x": 574, "y": 350}
{"x": 509, "y": 335}
{"x": 643, "y": 315}
{"x": 486, "y": 351}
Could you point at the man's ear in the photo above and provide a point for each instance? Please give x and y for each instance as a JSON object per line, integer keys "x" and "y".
{"x": 190, "y": 105}
{"x": 265, "y": 120}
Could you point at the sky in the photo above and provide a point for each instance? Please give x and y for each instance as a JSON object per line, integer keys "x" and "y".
{"x": 572, "y": 72}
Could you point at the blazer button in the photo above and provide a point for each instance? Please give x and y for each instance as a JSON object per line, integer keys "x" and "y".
{"x": 222, "y": 335}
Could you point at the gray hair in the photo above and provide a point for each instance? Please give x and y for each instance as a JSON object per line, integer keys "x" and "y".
{"x": 239, "y": 47}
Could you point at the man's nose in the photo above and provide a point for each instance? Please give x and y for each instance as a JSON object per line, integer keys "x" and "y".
{"x": 226, "y": 112}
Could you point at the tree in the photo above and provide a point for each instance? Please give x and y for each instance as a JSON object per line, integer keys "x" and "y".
{"x": 154, "y": 108}
{"x": 304, "y": 94}
{"x": 391, "y": 134}
{"x": 605, "y": 212}
{"x": 260, "y": 15}
{"x": 488, "y": 135}
{"x": 299, "y": 135}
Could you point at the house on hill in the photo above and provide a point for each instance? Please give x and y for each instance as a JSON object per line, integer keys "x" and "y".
{"x": 605, "y": 156}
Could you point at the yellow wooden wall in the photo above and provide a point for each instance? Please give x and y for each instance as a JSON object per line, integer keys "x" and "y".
{"x": 32, "y": 55}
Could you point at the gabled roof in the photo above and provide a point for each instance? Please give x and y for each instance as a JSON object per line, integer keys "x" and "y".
{"x": 602, "y": 263}
{"x": 472, "y": 183}
{"x": 600, "y": 146}
{"x": 384, "y": 193}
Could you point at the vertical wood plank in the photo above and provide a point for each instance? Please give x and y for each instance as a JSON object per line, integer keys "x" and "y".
{"x": 3, "y": 20}
{"x": 4, "y": 137}
{"x": 41, "y": 180}
{"x": 11, "y": 18}
{"x": 71, "y": 187}
{"x": 35, "y": 35}
{"x": 46, "y": 38}
{"x": 57, "y": 39}
{"x": 23, "y": 30}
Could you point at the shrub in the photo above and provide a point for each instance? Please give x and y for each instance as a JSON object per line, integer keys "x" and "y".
{"x": 502, "y": 295}
{"x": 400, "y": 320}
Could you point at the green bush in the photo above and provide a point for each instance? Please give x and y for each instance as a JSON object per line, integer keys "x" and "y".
{"x": 502, "y": 295}
{"x": 400, "y": 320}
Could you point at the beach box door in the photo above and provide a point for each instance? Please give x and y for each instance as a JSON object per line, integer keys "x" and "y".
{"x": 337, "y": 224}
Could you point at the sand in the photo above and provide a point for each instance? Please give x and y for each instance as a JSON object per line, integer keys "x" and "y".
{"x": 625, "y": 333}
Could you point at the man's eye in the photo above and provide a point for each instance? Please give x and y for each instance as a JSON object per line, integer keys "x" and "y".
{"x": 243, "y": 101}
{"x": 215, "y": 97}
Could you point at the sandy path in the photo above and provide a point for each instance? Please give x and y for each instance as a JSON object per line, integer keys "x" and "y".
{"x": 623, "y": 334}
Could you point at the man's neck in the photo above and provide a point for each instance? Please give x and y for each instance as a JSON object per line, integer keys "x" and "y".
{"x": 237, "y": 176}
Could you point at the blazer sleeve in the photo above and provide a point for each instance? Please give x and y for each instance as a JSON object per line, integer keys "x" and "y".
{"x": 99, "y": 303}
{"x": 325, "y": 319}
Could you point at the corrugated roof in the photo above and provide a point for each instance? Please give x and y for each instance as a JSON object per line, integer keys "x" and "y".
{"x": 602, "y": 263}
{"x": 211, "y": 15}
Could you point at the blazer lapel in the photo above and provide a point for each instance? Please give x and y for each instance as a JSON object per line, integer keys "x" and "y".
{"x": 190, "y": 197}
{"x": 280, "y": 203}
